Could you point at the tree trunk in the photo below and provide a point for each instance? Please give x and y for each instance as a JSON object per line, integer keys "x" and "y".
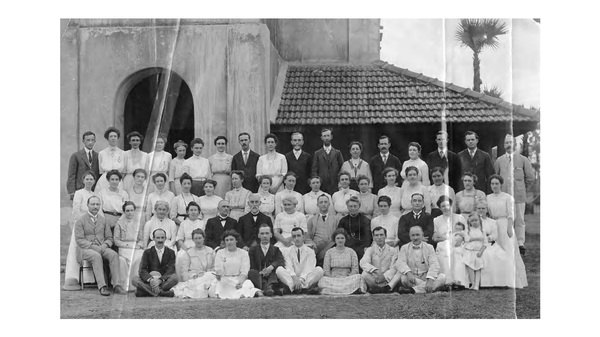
{"x": 476, "y": 72}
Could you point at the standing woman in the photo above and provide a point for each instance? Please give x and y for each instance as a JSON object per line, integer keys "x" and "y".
{"x": 80, "y": 208}
{"x": 238, "y": 196}
{"x": 232, "y": 265}
{"x": 438, "y": 189}
{"x": 176, "y": 168}
{"x": 197, "y": 167}
{"x": 272, "y": 164}
{"x": 356, "y": 166}
{"x": 137, "y": 192}
{"x": 111, "y": 158}
{"x": 414, "y": 153}
{"x": 220, "y": 165}
{"x": 467, "y": 198}
{"x": 394, "y": 192}
{"x": 209, "y": 202}
{"x": 267, "y": 199}
{"x": 134, "y": 159}
{"x": 179, "y": 203}
{"x": 310, "y": 199}
{"x": 159, "y": 159}
{"x": 412, "y": 186}
{"x": 289, "y": 180}
{"x": 340, "y": 197}
{"x": 368, "y": 200}
{"x": 501, "y": 208}
{"x": 340, "y": 268}
{"x": 113, "y": 198}
{"x": 160, "y": 193}
{"x": 128, "y": 237}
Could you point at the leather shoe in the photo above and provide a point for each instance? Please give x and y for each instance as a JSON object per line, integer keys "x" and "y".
{"x": 269, "y": 292}
{"x": 285, "y": 290}
{"x": 104, "y": 291}
{"x": 119, "y": 290}
{"x": 313, "y": 290}
{"x": 168, "y": 293}
{"x": 402, "y": 290}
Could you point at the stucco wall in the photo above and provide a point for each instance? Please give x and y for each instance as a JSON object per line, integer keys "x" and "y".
{"x": 226, "y": 66}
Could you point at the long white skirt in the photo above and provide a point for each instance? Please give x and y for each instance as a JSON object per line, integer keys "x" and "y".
{"x": 451, "y": 263}
{"x": 342, "y": 285}
{"x": 493, "y": 273}
{"x": 195, "y": 288}
{"x": 516, "y": 276}
{"x": 129, "y": 263}
{"x": 225, "y": 289}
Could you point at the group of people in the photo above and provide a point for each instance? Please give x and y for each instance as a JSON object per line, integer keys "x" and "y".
{"x": 250, "y": 225}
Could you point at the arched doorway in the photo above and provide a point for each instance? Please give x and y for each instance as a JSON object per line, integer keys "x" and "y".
{"x": 159, "y": 100}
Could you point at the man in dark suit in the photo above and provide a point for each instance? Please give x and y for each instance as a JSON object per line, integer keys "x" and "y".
{"x": 265, "y": 258}
{"x": 82, "y": 161}
{"x": 219, "y": 224}
{"x": 157, "y": 269}
{"x": 477, "y": 162}
{"x": 382, "y": 160}
{"x": 299, "y": 162}
{"x": 327, "y": 163}
{"x": 446, "y": 159}
{"x": 249, "y": 222}
{"x": 417, "y": 217}
{"x": 246, "y": 161}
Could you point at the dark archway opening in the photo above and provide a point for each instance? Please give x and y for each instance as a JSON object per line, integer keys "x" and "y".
{"x": 146, "y": 100}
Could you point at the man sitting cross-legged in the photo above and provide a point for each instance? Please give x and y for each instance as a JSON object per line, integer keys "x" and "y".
{"x": 419, "y": 265}
{"x": 301, "y": 273}
{"x": 265, "y": 258}
{"x": 379, "y": 264}
{"x": 157, "y": 269}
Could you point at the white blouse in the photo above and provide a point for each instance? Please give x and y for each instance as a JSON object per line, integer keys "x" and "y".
{"x": 198, "y": 167}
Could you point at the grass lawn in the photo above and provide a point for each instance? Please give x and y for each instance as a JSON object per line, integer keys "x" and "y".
{"x": 486, "y": 303}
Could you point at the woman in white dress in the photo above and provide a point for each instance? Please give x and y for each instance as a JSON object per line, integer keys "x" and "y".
{"x": 494, "y": 258}
{"x": 176, "y": 168}
{"x": 289, "y": 180}
{"x": 286, "y": 221}
{"x": 340, "y": 268}
{"x": 310, "y": 199}
{"x": 394, "y": 192}
{"x": 80, "y": 208}
{"x": 414, "y": 153}
{"x": 112, "y": 198}
{"x": 160, "y": 220}
{"x": 184, "y": 233}
{"x": 438, "y": 189}
{"x": 138, "y": 191}
{"x": 179, "y": 203}
{"x": 220, "y": 165}
{"x": 413, "y": 186}
{"x": 501, "y": 209}
{"x": 209, "y": 202}
{"x": 134, "y": 159}
{"x": 356, "y": 166}
{"x": 238, "y": 196}
{"x": 386, "y": 220}
{"x": 160, "y": 193}
{"x": 272, "y": 164}
{"x": 196, "y": 272}
{"x": 449, "y": 258}
{"x": 159, "y": 160}
{"x": 232, "y": 265}
{"x": 368, "y": 200}
{"x": 128, "y": 237}
{"x": 111, "y": 158}
{"x": 467, "y": 198}
{"x": 340, "y": 197}
{"x": 267, "y": 199}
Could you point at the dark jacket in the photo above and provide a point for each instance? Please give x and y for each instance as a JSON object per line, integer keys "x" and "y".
{"x": 214, "y": 231}
{"x": 452, "y": 162}
{"x": 150, "y": 263}
{"x": 258, "y": 261}
{"x": 250, "y": 183}
{"x": 359, "y": 232}
{"x": 301, "y": 167}
{"x": 327, "y": 166}
{"x": 249, "y": 228}
{"x": 377, "y": 168}
{"x": 481, "y": 165}
{"x": 78, "y": 165}
{"x": 408, "y": 220}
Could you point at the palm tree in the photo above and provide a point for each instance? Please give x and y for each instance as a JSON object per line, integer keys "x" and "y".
{"x": 479, "y": 34}
{"x": 493, "y": 91}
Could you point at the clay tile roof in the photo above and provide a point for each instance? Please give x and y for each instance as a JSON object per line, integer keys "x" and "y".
{"x": 382, "y": 93}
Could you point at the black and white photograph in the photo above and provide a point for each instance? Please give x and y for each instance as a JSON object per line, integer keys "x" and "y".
{"x": 300, "y": 168}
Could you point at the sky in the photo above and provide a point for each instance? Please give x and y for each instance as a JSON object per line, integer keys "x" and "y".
{"x": 429, "y": 46}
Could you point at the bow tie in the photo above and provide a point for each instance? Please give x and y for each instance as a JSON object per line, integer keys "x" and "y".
{"x": 416, "y": 247}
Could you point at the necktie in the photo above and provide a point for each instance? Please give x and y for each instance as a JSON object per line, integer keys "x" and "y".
{"x": 416, "y": 216}
{"x": 264, "y": 248}
{"x": 90, "y": 157}
{"x": 324, "y": 217}
{"x": 442, "y": 154}
{"x": 298, "y": 250}
{"x": 385, "y": 158}
{"x": 245, "y": 157}
{"x": 159, "y": 255}
{"x": 472, "y": 153}
{"x": 509, "y": 158}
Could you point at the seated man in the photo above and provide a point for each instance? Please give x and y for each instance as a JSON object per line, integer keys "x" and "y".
{"x": 301, "y": 273}
{"x": 416, "y": 217}
{"x": 379, "y": 264}
{"x": 419, "y": 266}
{"x": 94, "y": 237}
{"x": 215, "y": 227}
{"x": 249, "y": 222}
{"x": 358, "y": 227}
{"x": 157, "y": 269}
{"x": 265, "y": 258}
{"x": 320, "y": 228}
